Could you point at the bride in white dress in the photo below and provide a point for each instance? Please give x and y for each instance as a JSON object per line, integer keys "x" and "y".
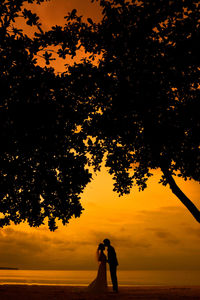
{"x": 99, "y": 285}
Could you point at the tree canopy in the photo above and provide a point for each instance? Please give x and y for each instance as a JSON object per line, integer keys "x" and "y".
{"x": 43, "y": 166}
{"x": 133, "y": 99}
{"x": 148, "y": 115}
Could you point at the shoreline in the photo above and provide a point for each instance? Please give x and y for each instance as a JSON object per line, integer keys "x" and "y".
{"x": 77, "y": 292}
{"x": 123, "y": 286}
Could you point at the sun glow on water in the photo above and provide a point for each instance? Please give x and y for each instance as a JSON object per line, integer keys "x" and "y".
{"x": 84, "y": 277}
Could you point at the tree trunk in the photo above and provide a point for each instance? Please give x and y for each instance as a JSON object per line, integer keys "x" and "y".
{"x": 182, "y": 197}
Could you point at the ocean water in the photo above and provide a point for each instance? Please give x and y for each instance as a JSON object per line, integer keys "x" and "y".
{"x": 83, "y": 278}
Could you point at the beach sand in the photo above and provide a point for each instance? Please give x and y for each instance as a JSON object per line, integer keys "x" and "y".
{"x": 35, "y": 292}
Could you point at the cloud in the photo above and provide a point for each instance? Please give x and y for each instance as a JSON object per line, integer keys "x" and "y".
{"x": 30, "y": 249}
{"x": 119, "y": 239}
{"x": 193, "y": 231}
{"x": 164, "y": 235}
{"x": 167, "y": 237}
{"x": 145, "y": 239}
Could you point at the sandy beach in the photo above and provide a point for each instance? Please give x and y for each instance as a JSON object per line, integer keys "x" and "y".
{"x": 35, "y": 292}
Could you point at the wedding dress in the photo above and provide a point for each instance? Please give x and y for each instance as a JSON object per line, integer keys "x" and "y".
{"x": 99, "y": 285}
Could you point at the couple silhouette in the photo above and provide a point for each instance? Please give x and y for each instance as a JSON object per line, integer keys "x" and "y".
{"x": 99, "y": 285}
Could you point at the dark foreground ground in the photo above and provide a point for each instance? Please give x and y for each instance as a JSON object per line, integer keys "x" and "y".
{"x": 35, "y": 292}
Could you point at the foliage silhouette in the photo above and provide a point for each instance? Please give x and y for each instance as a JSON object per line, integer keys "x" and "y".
{"x": 43, "y": 166}
{"x": 133, "y": 99}
{"x": 147, "y": 111}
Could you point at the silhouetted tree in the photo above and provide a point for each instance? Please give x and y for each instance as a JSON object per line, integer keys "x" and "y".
{"x": 148, "y": 110}
{"x": 43, "y": 167}
{"x": 133, "y": 98}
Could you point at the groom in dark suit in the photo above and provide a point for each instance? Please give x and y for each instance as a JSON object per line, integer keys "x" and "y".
{"x": 113, "y": 263}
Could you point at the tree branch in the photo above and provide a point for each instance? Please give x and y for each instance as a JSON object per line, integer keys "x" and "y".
{"x": 182, "y": 197}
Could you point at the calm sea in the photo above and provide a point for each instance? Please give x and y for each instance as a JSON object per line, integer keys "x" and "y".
{"x": 126, "y": 278}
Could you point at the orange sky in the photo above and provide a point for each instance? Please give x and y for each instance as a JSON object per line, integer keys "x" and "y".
{"x": 150, "y": 229}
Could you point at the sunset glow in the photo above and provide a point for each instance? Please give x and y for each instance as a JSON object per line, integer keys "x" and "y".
{"x": 149, "y": 230}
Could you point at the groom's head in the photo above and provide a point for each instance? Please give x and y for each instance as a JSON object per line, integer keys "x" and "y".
{"x": 106, "y": 242}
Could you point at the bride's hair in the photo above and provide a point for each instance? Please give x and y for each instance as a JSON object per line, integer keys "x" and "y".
{"x": 100, "y": 248}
